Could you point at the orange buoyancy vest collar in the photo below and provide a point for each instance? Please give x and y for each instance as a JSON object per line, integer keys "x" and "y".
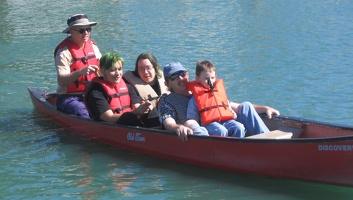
{"x": 212, "y": 104}
{"x": 118, "y": 95}
{"x": 81, "y": 59}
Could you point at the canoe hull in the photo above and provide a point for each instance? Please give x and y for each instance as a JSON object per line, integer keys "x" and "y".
{"x": 324, "y": 160}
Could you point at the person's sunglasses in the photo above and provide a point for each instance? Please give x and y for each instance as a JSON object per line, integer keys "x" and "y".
{"x": 82, "y": 30}
{"x": 177, "y": 74}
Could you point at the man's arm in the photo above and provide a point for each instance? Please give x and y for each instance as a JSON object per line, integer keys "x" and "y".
{"x": 168, "y": 115}
{"x": 63, "y": 62}
{"x": 181, "y": 130}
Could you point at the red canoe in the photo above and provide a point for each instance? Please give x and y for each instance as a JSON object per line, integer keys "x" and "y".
{"x": 300, "y": 149}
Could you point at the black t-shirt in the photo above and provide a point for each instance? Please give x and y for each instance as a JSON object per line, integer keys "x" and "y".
{"x": 96, "y": 99}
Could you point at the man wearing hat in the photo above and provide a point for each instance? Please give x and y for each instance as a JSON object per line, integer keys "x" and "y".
{"x": 76, "y": 61}
{"x": 172, "y": 108}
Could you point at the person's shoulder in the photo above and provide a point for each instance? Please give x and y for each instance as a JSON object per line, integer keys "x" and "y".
{"x": 96, "y": 49}
{"x": 163, "y": 97}
{"x": 62, "y": 52}
{"x": 170, "y": 97}
{"x": 127, "y": 76}
{"x": 130, "y": 87}
{"x": 93, "y": 42}
{"x": 94, "y": 45}
{"x": 220, "y": 80}
{"x": 94, "y": 85}
{"x": 131, "y": 76}
{"x": 126, "y": 81}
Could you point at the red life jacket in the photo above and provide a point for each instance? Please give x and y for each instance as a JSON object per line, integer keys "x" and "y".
{"x": 212, "y": 104}
{"x": 118, "y": 95}
{"x": 81, "y": 58}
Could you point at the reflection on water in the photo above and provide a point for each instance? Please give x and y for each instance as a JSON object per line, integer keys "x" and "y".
{"x": 122, "y": 179}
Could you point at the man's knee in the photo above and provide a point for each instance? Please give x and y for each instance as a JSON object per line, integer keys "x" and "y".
{"x": 246, "y": 105}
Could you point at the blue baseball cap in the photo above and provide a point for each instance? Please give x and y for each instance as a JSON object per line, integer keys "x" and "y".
{"x": 171, "y": 68}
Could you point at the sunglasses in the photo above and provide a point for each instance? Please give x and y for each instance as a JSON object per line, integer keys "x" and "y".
{"x": 177, "y": 74}
{"x": 82, "y": 30}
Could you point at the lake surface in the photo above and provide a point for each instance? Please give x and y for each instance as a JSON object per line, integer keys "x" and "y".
{"x": 295, "y": 56}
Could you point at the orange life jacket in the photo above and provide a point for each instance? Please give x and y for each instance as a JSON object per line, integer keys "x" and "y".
{"x": 81, "y": 58}
{"x": 211, "y": 103}
{"x": 118, "y": 95}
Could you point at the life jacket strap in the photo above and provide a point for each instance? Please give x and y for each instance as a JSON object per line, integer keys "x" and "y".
{"x": 118, "y": 110}
{"x": 211, "y": 91}
{"x": 225, "y": 106}
{"x": 84, "y": 59}
{"x": 119, "y": 94}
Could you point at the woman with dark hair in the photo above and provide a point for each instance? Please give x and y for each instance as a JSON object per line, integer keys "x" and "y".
{"x": 109, "y": 98}
{"x": 148, "y": 82}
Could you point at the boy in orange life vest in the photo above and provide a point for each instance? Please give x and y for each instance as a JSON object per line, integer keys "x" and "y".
{"x": 110, "y": 99}
{"x": 210, "y": 106}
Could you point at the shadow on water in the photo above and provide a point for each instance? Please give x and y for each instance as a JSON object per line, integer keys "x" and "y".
{"x": 189, "y": 177}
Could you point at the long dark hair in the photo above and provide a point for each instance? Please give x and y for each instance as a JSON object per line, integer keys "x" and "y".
{"x": 153, "y": 61}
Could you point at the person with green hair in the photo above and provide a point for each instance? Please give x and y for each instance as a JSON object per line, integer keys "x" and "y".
{"x": 110, "y": 99}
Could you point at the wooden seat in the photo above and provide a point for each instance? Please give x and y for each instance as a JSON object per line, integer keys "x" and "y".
{"x": 296, "y": 131}
{"x": 276, "y": 134}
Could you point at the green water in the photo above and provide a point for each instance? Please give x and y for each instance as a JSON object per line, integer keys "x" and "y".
{"x": 291, "y": 55}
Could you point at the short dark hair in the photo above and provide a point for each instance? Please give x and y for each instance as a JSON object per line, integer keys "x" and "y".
{"x": 204, "y": 66}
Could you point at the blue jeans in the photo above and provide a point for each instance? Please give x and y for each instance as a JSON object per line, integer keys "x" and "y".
{"x": 72, "y": 104}
{"x": 248, "y": 120}
{"x": 229, "y": 128}
{"x": 199, "y": 130}
{"x": 252, "y": 122}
